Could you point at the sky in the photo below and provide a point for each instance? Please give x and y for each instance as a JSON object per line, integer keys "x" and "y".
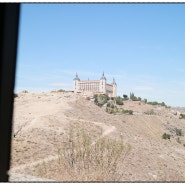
{"x": 142, "y": 46}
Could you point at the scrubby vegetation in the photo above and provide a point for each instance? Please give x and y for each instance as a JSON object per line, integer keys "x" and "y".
{"x": 84, "y": 161}
{"x": 157, "y": 103}
{"x": 113, "y": 109}
{"x": 166, "y": 136}
{"x": 61, "y": 90}
{"x": 182, "y": 116}
{"x": 119, "y": 100}
{"x": 178, "y": 132}
{"x": 133, "y": 97}
{"x": 101, "y": 99}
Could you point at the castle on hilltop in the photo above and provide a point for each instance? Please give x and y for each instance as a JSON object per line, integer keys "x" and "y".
{"x": 95, "y": 86}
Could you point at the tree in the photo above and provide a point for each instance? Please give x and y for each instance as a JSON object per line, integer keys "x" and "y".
{"x": 133, "y": 97}
{"x": 139, "y": 98}
{"x": 101, "y": 99}
{"x": 125, "y": 97}
{"x": 145, "y": 100}
{"x": 163, "y": 104}
{"x": 119, "y": 100}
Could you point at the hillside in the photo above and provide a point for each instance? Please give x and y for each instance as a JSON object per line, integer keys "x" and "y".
{"x": 43, "y": 121}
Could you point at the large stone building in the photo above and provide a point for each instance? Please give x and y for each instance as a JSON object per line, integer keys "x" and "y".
{"x": 95, "y": 86}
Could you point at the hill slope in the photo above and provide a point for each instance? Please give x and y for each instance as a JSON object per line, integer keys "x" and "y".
{"x": 42, "y": 122}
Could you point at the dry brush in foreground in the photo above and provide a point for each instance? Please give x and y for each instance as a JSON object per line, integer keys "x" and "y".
{"x": 82, "y": 160}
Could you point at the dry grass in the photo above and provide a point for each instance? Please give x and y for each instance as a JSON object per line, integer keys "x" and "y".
{"x": 82, "y": 160}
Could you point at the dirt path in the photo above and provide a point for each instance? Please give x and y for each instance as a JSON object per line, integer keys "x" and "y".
{"x": 16, "y": 177}
{"x": 106, "y": 131}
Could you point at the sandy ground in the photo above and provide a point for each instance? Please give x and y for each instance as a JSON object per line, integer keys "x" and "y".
{"x": 42, "y": 122}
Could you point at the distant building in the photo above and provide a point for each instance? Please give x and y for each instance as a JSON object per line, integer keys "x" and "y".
{"x": 95, "y": 86}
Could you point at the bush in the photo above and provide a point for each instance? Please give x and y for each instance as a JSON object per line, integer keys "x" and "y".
{"x": 61, "y": 90}
{"x": 130, "y": 112}
{"x": 139, "y": 98}
{"x": 119, "y": 100}
{"x": 101, "y": 99}
{"x": 153, "y": 103}
{"x": 182, "y": 116}
{"x": 157, "y": 103}
{"x": 163, "y": 104}
{"x": 178, "y": 132}
{"x": 85, "y": 160}
{"x": 112, "y": 106}
{"x": 166, "y": 136}
{"x": 132, "y": 97}
{"x": 127, "y": 111}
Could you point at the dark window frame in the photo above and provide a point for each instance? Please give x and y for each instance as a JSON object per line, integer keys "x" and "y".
{"x": 9, "y": 24}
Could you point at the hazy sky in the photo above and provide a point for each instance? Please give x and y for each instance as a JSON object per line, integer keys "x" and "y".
{"x": 141, "y": 45}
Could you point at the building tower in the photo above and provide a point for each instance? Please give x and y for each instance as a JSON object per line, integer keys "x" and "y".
{"x": 102, "y": 86}
{"x": 114, "y": 94}
{"x": 75, "y": 83}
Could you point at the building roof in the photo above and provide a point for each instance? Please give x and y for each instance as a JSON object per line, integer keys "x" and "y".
{"x": 89, "y": 81}
{"x": 103, "y": 77}
{"x": 114, "y": 83}
{"x": 76, "y": 78}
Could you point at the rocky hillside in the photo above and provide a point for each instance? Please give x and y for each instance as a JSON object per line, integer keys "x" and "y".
{"x": 43, "y": 122}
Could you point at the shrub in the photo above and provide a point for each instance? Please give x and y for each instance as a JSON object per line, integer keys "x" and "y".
{"x": 163, "y": 104}
{"x": 153, "y": 103}
{"x": 182, "y": 116}
{"x": 101, "y": 99}
{"x": 61, "y": 90}
{"x": 166, "y": 136}
{"x": 157, "y": 103}
{"x": 85, "y": 160}
{"x": 139, "y": 98}
{"x": 127, "y": 111}
{"x": 178, "y": 132}
{"x": 132, "y": 97}
{"x": 112, "y": 106}
{"x": 119, "y": 100}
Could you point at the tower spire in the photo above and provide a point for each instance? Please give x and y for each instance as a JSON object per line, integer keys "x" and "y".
{"x": 76, "y": 77}
{"x": 113, "y": 80}
{"x": 103, "y": 76}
